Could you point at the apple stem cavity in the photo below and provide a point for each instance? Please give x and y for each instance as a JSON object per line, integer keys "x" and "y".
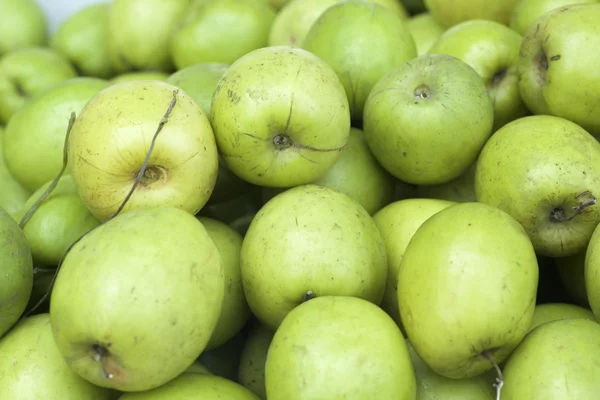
{"x": 99, "y": 354}
{"x": 499, "y": 378}
{"x": 308, "y": 296}
{"x": 558, "y": 213}
{"x": 423, "y": 92}
{"x": 498, "y": 77}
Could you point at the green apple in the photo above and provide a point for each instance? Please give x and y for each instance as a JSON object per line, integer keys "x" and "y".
{"x": 194, "y": 386}
{"x": 558, "y": 360}
{"x": 527, "y": 11}
{"x": 253, "y": 359}
{"x": 310, "y": 238}
{"x": 295, "y": 19}
{"x": 548, "y": 312}
{"x": 82, "y": 38}
{"x": 26, "y": 72}
{"x": 199, "y": 81}
{"x": 224, "y": 360}
{"x": 305, "y": 357}
{"x": 139, "y": 33}
{"x": 344, "y": 35}
{"x": 469, "y": 248}
{"x": 592, "y": 272}
{"x": 280, "y": 117}
{"x": 60, "y": 220}
{"x": 32, "y": 368}
{"x": 460, "y": 190}
{"x": 492, "y": 49}
{"x": 234, "y": 312}
{"x": 427, "y": 120}
{"x": 557, "y": 68}
{"x": 140, "y": 76}
{"x": 110, "y": 140}
{"x": 431, "y": 386}
{"x": 12, "y": 194}
{"x": 450, "y": 13}
{"x": 22, "y": 24}
{"x": 16, "y": 269}
{"x": 221, "y": 31}
{"x": 135, "y": 319}
{"x": 545, "y": 172}
{"x": 35, "y": 136}
{"x": 571, "y": 270}
{"x": 397, "y": 223}
{"x": 425, "y": 30}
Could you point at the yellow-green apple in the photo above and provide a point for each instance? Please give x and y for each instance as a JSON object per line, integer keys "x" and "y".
{"x": 16, "y": 269}
{"x": 545, "y": 172}
{"x": 568, "y": 353}
{"x": 12, "y": 194}
{"x": 32, "y": 368}
{"x": 139, "y": 76}
{"x": 427, "y": 120}
{"x": 26, "y": 72}
{"x": 480, "y": 250}
{"x": 492, "y": 49}
{"x": 558, "y": 61}
{"x": 221, "y": 31}
{"x": 22, "y": 24}
{"x": 151, "y": 300}
{"x": 460, "y": 190}
{"x": 304, "y": 358}
{"x": 527, "y": 11}
{"x": 35, "y": 136}
{"x": 571, "y": 270}
{"x": 592, "y": 272}
{"x": 425, "y": 30}
{"x": 310, "y": 239}
{"x": 139, "y": 33}
{"x": 82, "y": 38}
{"x": 548, "y": 312}
{"x": 280, "y": 117}
{"x": 362, "y": 41}
{"x": 111, "y": 138}
{"x": 251, "y": 373}
{"x": 450, "y": 13}
{"x": 397, "y": 223}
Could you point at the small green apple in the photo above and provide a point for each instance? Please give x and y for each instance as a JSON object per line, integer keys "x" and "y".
{"x": 527, "y": 11}
{"x": 545, "y": 172}
{"x": 12, "y": 195}
{"x": 32, "y": 368}
{"x": 22, "y": 24}
{"x": 221, "y": 31}
{"x": 492, "y": 49}
{"x": 436, "y": 91}
{"x": 140, "y": 76}
{"x": 397, "y": 223}
{"x": 548, "y": 312}
{"x": 558, "y": 65}
{"x": 571, "y": 270}
{"x": 304, "y": 358}
{"x": 251, "y": 373}
{"x": 460, "y": 190}
{"x": 280, "y": 117}
{"x": 35, "y": 136}
{"x": 26, "y": 72}
{"x": 469, "y": 248}
{"x": 132, "y": 307}
{"x": 558, "y": 360}
{"x": 82, "y": 38}
{"x": 110, "y": 140}
{"x": 450, "y": 13}
{"x": 16, "y": 269}
{"x": 344, "y": 35}
{"x": 310, "y": 238}
{"x": 425, "y": 30}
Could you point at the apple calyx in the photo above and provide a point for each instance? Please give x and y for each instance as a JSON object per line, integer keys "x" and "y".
{"x": 423, "y": 92}
{"x": 584, "y": 200}
{"x": 498, "y": 77}
{"x": 152, "y": 174}
{"x": 308, "y": 296}
{"x": 487, "y": 354}
{"x": 99, "y": 354}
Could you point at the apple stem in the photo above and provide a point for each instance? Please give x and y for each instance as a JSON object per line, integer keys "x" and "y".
{"x": 499, "y": 378}
{"x": 558, "y": 214}
{"x": 282, "y": 142}
{"x": 309, "y": 295}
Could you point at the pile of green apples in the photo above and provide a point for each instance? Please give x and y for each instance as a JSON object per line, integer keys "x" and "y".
{"x": 300, "y": 200}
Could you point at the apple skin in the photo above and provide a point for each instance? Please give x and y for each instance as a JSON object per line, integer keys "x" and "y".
{"x": 22, "y": 24}
{"x": 221, "y": 31}
{"x": 436, "y": 91}
{"x": 450, "y": 13}
{"x": 425, "y": 30}
{"x": 109, "y": 142}
{"x": 82, "y": 38}
{"x": 27, "y": 72}
{"x": 591, "y": 272}
{"x": 140, "y": 76}
{"x": 568, "y": 351}
{"x": 310, "y": 238}
{"x": 538, "y": 169}
{"x": 571, "y": 271}
{"x": 557, "y": 68}
{"x": 251, "y": 373}
{"x": 460, "y": 190}
{"x": 13, "y": 195}
{"x": 527, "y": 11}
{"x": 139, "y": 346}
{"x": 344, "y": 36}
{"x": 304, "y": 358}
{"x": 280, "y": 117}
{"x": 32, "y": 368}
{"x": 467, "y": 248}
{"x": 35, "y": 136}
{"x": 548, "y": 312}
{"x": 16, "y": 268}
{"x": 492, "y": 49}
